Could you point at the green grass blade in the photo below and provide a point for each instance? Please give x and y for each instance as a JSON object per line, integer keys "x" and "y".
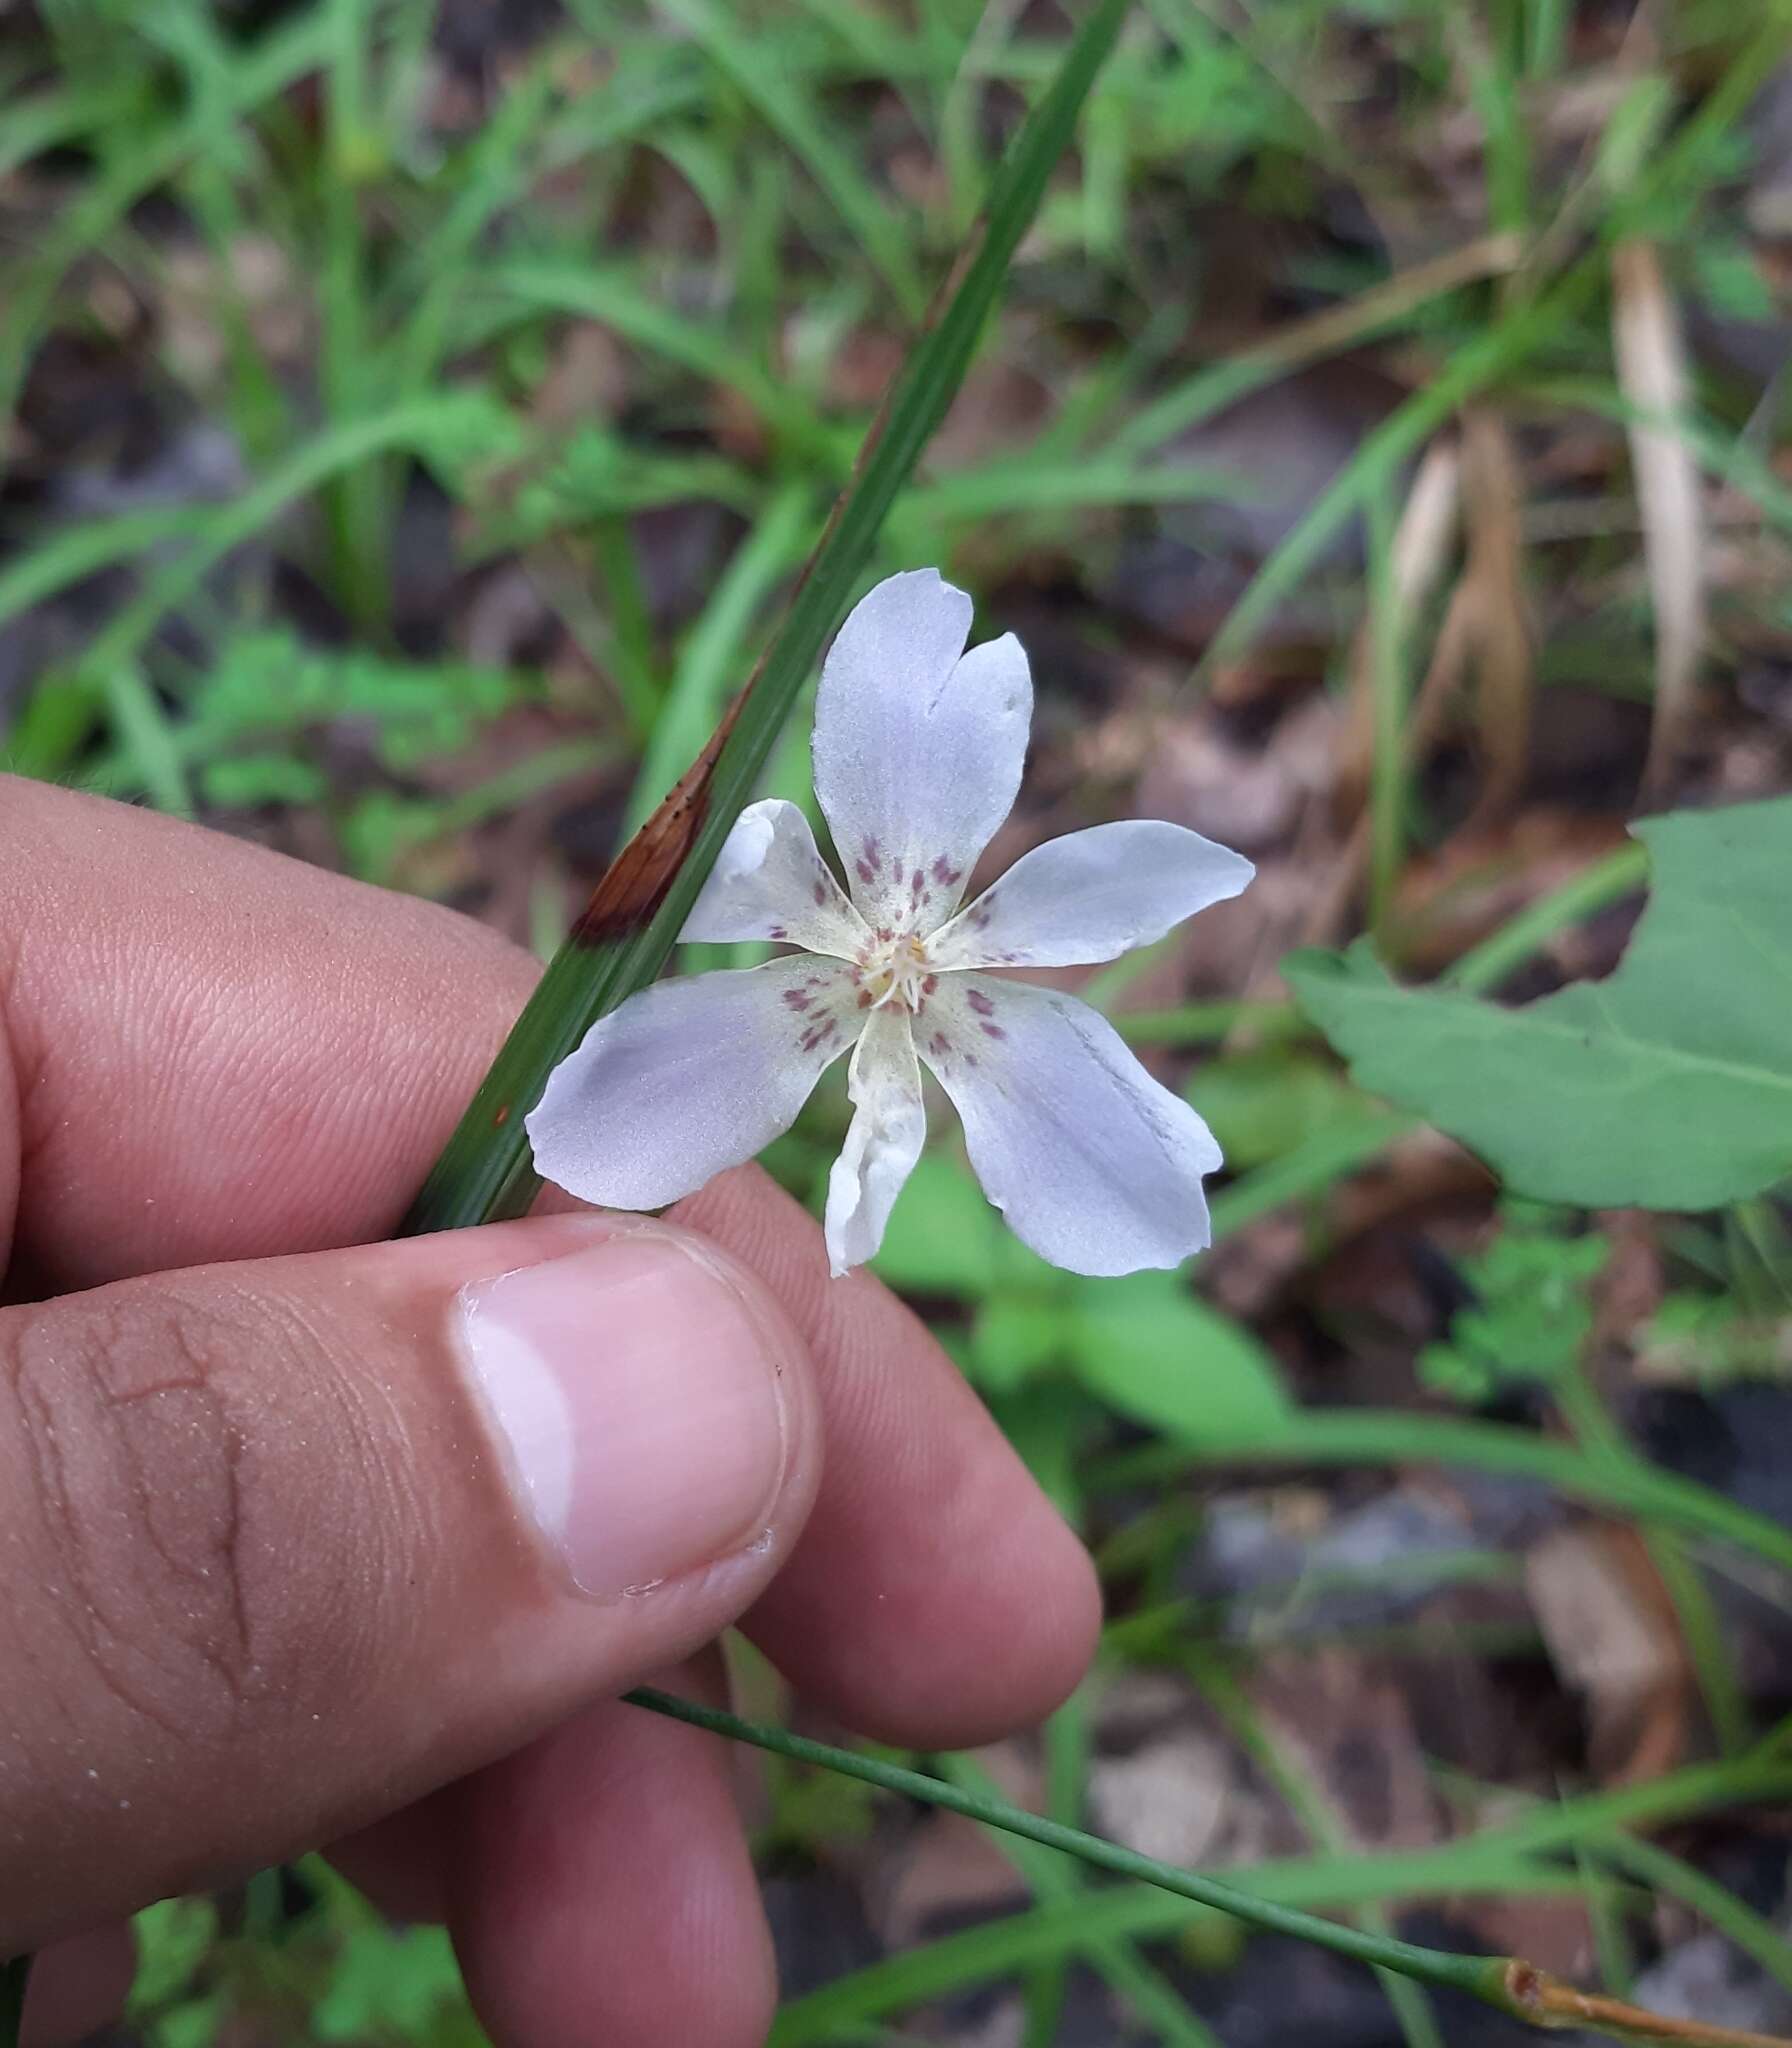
{"x": 1733, "y": 1918}
{"x": 283, "y": 57}
{"x": 61, "y": 711}
{"x": 759, "y": 70}
{"x": 699, "y": 691}
{"x": 1497, "y": 1860}
{"x": 486, "y": 1172}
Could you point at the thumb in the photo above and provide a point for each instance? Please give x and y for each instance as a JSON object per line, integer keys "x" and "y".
{"x": 288, "y": 1542}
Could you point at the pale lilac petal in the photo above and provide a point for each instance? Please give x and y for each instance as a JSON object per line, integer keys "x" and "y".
{"x": 1091, "y": 896}
{"x": 769, "y": 882}
{"x": 888, "y": 1128}
{"x": 1095, "y": 1165}
{"x": 689, "y": 1077}
{"x": 917, "y": 753}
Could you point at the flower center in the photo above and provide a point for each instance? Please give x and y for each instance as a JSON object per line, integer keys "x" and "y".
{"x": 894, "y": 968}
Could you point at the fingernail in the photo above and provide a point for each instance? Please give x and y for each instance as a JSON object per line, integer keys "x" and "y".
{"x": 637, "y": 1403}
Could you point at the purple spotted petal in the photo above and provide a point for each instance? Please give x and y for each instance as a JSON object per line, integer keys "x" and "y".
{"x": 917, "y": 752}
{"x": 769, "y": 882}
{"x": 689, "y": 1077}
{"x": 1091, "y": 896}
{"x": 1094, "y": 1164}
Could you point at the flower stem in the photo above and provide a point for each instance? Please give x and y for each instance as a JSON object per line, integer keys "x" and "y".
{"x": 1510, "y": 1985}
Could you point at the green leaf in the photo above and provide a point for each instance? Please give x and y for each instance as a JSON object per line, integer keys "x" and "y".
{"x": 388, "y": 1982}
{"x": 174, "y": 1937}
{"x": 1667, "y": 1086}
{"x": 941, "y": 1237}
{"x": 1532, "y": 1316}
{"x": 1263, "y": 1104}
{"x": 1151, "y": 1350}
{"x": 1014, "y": 1338}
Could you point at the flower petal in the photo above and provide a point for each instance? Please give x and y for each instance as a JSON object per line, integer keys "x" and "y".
{"x": 1095, "y": 1165}
{"x": 769, "y": 882}
{"x": 1091, "y": 896}
{"x": 883, "y": 1143}
{"x": 689, "y": 1077}
{"x": 917, "y": 752}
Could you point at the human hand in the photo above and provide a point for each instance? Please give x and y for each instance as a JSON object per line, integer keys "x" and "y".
{"x": 295, "y": 1534}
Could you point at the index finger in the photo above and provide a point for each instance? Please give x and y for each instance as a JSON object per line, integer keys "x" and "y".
{"x": 216, "y": 1052}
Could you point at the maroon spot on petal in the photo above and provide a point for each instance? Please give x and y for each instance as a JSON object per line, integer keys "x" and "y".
{"x": 930, "y": 984}
{"x": 944, "y": 873}
{"x": 992, "y": 1031}
{"x": 980, "y": 1002}
{"x": 916, "y": 886}
{"x": 864, "y": 999}
{"x": 938, "y": 1043}
{"x": 884, "y": 934}
{"x": 777, "y": 932}
{"x": 820, "y": 893}
{"x": 796, "y": 999}
{"x": 865, "y": 871}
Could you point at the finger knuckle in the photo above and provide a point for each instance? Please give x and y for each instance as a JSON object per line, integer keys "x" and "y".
{"x": 160, "y": 1546}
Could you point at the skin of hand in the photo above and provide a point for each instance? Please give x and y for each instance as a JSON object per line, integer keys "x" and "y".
{"x": 311, "y": 1538}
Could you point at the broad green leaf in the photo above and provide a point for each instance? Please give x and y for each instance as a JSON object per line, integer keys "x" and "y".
{"x": 1152, "y": 1351}
{"x": 1666, "y": 1086}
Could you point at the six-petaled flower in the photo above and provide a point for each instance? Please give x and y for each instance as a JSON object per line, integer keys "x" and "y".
{"x": 917, "y": 749}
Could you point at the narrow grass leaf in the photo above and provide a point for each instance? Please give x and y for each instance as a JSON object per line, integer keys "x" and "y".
{"x": 620, "y": 945}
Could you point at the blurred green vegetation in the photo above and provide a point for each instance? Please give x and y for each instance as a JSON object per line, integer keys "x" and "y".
{"x": 316, "y": 324}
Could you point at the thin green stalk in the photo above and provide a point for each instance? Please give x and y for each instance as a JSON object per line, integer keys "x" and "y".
{"x": 1508, "y": 1985}
{"x": 635, "y": 666}
{"x": 1388, "y": 767}
{"x": 357, "y": 499}
{"x": 1599, "y": 1433}
{"x": 1476, "y": 1975}
{"x": 1498, "y": 1860}
{"x": 1310, "y": 1168}
{"x": 1210, "y": 1023}
{"x": 1604, "y": 883}
{"x": 1738, "y": 1922}
{"x": 486, "y": 1172}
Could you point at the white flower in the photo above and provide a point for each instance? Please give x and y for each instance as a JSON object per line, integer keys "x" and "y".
{"x": 917, "y": 750}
